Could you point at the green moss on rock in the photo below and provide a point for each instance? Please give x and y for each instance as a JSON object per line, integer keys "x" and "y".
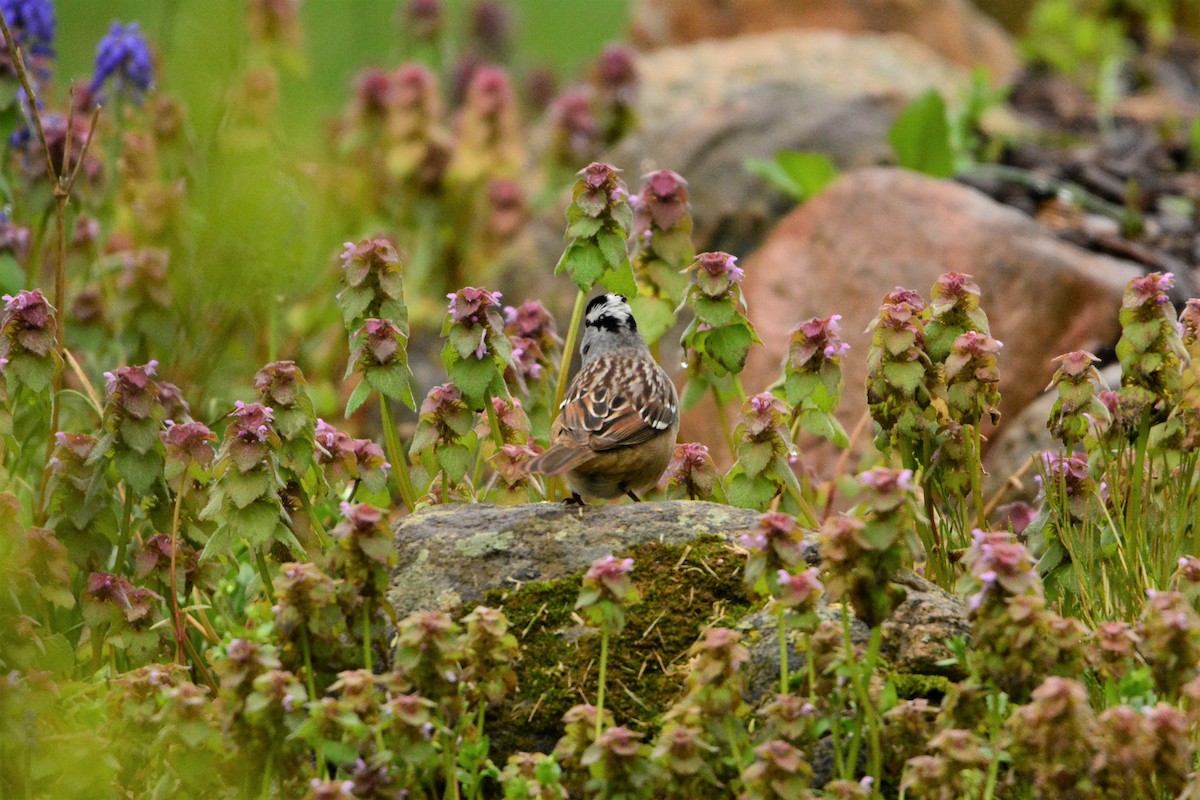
{"x": 909, "y": 686}
{"x": 684, "y": 588}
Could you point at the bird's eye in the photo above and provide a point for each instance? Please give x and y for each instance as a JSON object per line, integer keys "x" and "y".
{"x": 585, "y": 349}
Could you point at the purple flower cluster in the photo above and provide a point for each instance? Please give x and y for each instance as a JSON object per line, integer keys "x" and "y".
{"x": 32, "y": 23}
{"x": 124, "y": 56}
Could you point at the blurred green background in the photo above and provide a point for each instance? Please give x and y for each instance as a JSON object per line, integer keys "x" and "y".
{"x": 252, "y": 272}
{"x": 201, "y": 45}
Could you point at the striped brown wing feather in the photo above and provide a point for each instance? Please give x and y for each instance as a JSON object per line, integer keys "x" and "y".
{"x": 618, "y": 401}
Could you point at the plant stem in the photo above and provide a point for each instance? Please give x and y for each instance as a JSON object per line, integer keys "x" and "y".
{"x": 264, "y": 574}
{"x": 493, "y": 423}
{"x": 123, "y": 537}
{"x": 179, "y": 632}
{"x": 314, "y": 520}
{"x": 391, "y": 438}
{"x": 366, "y": 636}
{"x": 723, "y": 420}
{"x": 602, "y": 676}
{"x": 783, "y": 650}
{"x": 560, "y": 389}
{"x": 977, "y": 476}
{"x": 1133, "y": 511}
{"x": 311, "y": 682}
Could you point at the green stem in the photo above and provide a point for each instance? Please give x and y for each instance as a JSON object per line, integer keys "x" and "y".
{"x": 404, "y": 484}
{"x": 366, "y": 636}
{"x": 175, "y": 616}
{"x": 1133, "y": 511}
{"x": 603, "y": 676}
{"x": 449, "y": 761}
{"x": 126, "y": 530}
{"x": 318, "y": 528}
{"x": 493, "y": 423}
{"x": 560, "y": 389}
{"x": 264, "y": 574}
{"x": 723, "y": 420}
{"x": 783, "y": 650}
{"x": 977, "y": 476}
{"x": 311, "y": 682}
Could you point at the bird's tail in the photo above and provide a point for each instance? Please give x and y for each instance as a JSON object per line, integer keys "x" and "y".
{"x": 557, "y": 460}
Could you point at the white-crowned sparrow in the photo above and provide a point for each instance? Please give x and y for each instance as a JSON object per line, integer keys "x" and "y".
{"x": 616, "y": 429}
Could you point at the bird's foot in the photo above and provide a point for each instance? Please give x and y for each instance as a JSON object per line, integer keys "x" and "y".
{"x": 632, "y": 495}
{"x": 574, "y": 501}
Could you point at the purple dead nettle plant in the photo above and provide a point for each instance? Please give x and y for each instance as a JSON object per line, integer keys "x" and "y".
{"x": 718, "y": 339}
{"x": 374, "y": 311}
{"x": 445, "y": 441}
{"x": 1150, "y": 349}
{"x": 662, "y": 250}
{"x": 536, "y": 351}
{"x": 346, "y": 460}
{"x": 902, "y": 380}
{"x": 1077, "y": 411}
{"x": 363, "y": 557}
{"x": 1021, "y": 640}
{"x": 714, "y": 701}
{"x": 246, "y": 496}
{"x": 812, "y": 377}
{"x": 763, "y": 469}
{"x": 487, "y": 132}
{"x": 616, "y": 80}
{"x": 281, "y": 387}
{"x": 598, "y": 223}
{"x": 606, "y": 593}
{"x": 693, "y": 474}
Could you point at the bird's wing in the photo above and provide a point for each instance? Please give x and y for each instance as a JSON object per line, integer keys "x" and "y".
{"x": 617, "y": 402}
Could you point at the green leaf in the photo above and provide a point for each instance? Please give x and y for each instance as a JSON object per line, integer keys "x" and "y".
{"x": 654, "y": 317}
{"x": 812, "y": 172}
{"x": 455, "y": 459}
{"x": 746, "y": 492}
{"x": 905, "y": 375}
{"x": 729, "y": 346}
{"x": 473, "y": 376}
{"x": 354, "y": 301}
{"x": 584, "y": 228}
{"x": 824, "y": 425}
{"x": 140, "y": 435}
{"x": 464, "y": 341}
{"x": 921, "y": 136}
{"x": 245, "y": 487}
{"x": 583, "y": 262}
{"x": 621, "y": 280}
{"x": 392, "y": 381}
{"x": 715, "y": 312}
{"x": 139, "y": 470}
{"x": 358, "y": 397}
{"x": 256, "y": 523}
{"x": 612, "y": 247}
{"x": 753, "y": 457}
{"x": 773, "y": 173}
{"x": 31, "y": 372}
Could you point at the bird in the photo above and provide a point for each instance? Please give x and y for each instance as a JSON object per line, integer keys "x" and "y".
{"x": 616, "y": 429}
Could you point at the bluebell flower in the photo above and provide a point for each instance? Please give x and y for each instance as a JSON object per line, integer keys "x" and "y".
{"x": 32, "y": 23}
{"x": 125, "y": 56}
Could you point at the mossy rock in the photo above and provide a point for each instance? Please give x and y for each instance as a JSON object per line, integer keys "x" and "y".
{"x": 684, "y": 588}
{"x": 529, "y": 561}
{"x": 451, "y": 555}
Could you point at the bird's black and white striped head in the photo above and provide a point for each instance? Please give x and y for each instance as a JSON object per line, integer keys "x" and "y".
{"x": 609, "y": 312}
{"x": 609, "y": 327}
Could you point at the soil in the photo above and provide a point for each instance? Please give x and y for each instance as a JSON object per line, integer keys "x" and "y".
{"x": 1123, "y": 183}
